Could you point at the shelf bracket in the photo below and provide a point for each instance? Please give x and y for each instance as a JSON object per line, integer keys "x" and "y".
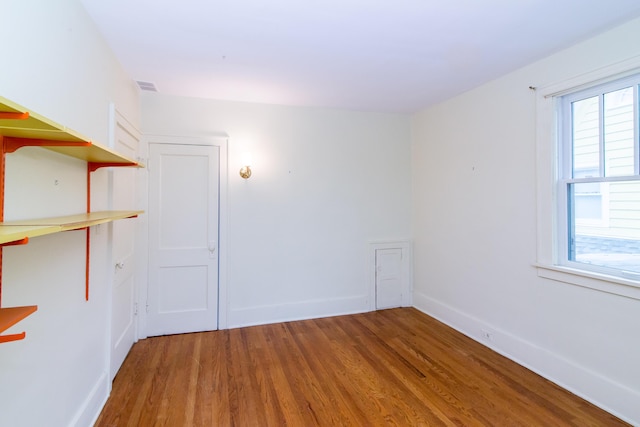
{"x": 11, "y": 144}
{"x": 94, "y": 166}
{"x": 9, "y": 115}
{"x": 13, "y": 337}
{"x": 91, "y": 166}
{"x": 4, "y": 141}
{"x": 86, "y": 270}
{"x": 11, "y": 316}
{"x": 16, "y": 242}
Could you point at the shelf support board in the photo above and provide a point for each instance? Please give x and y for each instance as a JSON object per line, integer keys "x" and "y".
{"x": 11, "y": 316}
{"x": 86, "y": 271}
{"x": 11, "y": 115}
{"x": 14, "y": 337}
{"x": 19, "y": 242}
{"x": 94, "y": 166}
{"x": 90, "y": 168}
{"x": 11, "y": 144}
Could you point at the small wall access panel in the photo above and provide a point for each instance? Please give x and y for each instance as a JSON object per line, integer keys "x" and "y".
{"x": 391, "y": 275}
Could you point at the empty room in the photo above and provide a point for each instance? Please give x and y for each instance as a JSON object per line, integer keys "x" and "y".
{"x": 344, "y": 213}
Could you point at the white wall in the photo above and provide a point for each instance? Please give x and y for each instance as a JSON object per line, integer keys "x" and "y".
{"x": 324, "y": 184}
{"x": 474, "y": 223}
{"x": 55, "y": 63}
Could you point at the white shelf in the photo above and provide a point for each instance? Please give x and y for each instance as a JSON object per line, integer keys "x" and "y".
{"x": 15, "y": 231}
{"x": 21, "y": 128}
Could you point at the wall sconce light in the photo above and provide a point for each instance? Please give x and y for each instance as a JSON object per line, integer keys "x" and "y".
{"x": 245, "y": 171}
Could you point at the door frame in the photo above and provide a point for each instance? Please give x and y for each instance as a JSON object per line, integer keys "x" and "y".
{"x": 407, "y": 269}
{"x": 118, "y": 119}
{"x": 221, "y": 141}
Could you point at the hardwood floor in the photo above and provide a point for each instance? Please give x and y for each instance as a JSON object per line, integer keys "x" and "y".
{"x": 392, "y": 367}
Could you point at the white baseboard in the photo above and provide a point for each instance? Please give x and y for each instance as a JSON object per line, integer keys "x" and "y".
{"x": 266, "y": 314}
{"x": 609, "y": 395}
{"x": 90, "y": 409}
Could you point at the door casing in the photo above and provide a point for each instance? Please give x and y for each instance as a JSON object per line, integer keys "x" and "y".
{"x": 220, "y": 141}
{"x": 406, "y": 268}
{"x": 126, "y": 139}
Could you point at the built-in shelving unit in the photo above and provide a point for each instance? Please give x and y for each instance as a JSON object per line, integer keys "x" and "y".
{"x": 22, "y": 128}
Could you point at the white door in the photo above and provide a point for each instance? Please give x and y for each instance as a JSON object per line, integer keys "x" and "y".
{"x": 183, "y": 238}
{"x": 123, "y": 311}
{"x": 389, "y": 278}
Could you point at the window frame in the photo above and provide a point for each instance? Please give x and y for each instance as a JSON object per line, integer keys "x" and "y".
{"x": 551, "y": 200}
{"x": 566, "y": 171}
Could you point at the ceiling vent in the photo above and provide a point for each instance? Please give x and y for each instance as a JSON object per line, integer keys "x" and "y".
{"x": 148, "y": 86}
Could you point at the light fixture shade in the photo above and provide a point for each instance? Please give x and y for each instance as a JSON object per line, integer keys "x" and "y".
{"x": 245, "y": 172}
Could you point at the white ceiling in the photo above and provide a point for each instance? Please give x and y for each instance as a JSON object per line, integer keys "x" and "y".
{"x": 371, "y": 55}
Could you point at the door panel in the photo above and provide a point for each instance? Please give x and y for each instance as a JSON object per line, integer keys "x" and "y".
{"x": 389, "y": 278}
{"x": 191, "y": 295}
{"x": 123, "y": 314}
{"x": 183, "y": 239}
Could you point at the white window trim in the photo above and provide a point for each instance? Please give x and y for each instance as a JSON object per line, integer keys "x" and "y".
{"x": 591, "y": 280}
{"x": 547, "y": 169}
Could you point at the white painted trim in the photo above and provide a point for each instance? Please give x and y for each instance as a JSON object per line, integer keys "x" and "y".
{"x": 110, "y": 272}
{"x": 603, "y": 392}
{"x": 223, "y": 221}
{"x": 222, "y": 142}
{"x": 213, "y": 139}
{"x": 142, "y": 239}
{"x": 407, "y": 269}
{"x": 587, "y": 279}
{"x": 90, "y": 409}
{"x": 266, "y": 314}
{"x": 598, "y": 76}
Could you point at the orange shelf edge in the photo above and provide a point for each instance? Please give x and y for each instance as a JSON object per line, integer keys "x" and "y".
{"x": 23, "y": 128}
{"x": 13, "y": 337}
{"x": 14, "y": 115}
{"x": 12, "y": 315}
{"x": 16, "y": 242}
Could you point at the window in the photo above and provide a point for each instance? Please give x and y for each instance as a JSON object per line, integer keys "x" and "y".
{"x": 598, "y": 179}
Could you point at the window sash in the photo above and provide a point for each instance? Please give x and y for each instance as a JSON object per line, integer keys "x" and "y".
{"x": 566, "y": 180}
{"x": 599, "y": 179}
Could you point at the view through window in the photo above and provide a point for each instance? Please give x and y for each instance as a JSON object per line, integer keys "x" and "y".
{"x": 599, "y": 185}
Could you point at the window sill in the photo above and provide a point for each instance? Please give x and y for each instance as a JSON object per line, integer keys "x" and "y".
{"x": 600, "y": 282}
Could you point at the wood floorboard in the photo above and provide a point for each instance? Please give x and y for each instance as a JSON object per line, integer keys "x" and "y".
{"x": 395, "y": 367}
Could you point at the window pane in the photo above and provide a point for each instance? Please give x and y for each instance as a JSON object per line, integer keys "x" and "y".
{"x": 604, "y": 224}
{"x": 585, "y": 134}
{"x": 618, "y": 133}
